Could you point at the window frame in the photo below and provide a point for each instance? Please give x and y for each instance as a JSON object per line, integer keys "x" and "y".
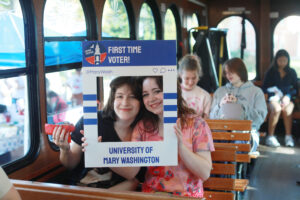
{"x": 177, "y": 18}
{"x": 131, "y": 23}
{"x": 157, "y": 18}
{"x": 30, "y": 72}
{"x": 91, "y": 34}
{"x": 257, "y": 56}
{"x": 273, "y": 27}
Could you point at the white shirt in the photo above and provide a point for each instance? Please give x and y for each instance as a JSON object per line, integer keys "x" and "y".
{"x": 198, "y": 99}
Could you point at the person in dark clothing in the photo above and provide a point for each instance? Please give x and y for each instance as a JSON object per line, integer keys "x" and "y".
{"x": 115, "y": 124}
{"x": 280, "y": 83}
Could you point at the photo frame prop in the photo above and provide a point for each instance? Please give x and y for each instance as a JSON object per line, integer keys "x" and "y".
{"x": 129, "y": 58}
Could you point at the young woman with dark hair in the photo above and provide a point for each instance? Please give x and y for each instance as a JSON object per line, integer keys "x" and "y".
{"x": 280, "y": 83}
{"x": 194, "y": 144}
{"x": 115, "y": 124}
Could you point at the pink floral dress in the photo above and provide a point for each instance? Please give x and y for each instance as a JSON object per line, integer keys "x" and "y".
{"x": 178, "y": 179}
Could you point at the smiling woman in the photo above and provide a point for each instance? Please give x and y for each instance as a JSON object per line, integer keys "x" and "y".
{"x": 41, "y": 53}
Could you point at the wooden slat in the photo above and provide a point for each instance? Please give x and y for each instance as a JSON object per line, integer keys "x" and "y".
{"x": 225, "y": 146}
{"x": 29, "y": 194}
{"x": 238, "y": 125}
{"x": 51, "y": 191}
{"x": 231, "y": 136}
{"x": 223, "y": 155}
{"x": 226, "y": 184}
{"x": 212, "y": 195}
{"x": 228, "y": 146}
{"x": 220, "y": 168}
{"x": 243, "y": 158}
{"x": 215, "y": 183}
{"x": 241, "y": 184}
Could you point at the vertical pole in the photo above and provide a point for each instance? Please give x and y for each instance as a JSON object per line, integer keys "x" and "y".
{"x": 220, "y": 59}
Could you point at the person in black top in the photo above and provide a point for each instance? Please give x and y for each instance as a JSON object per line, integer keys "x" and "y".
{"x": 280, "y": 83}
{"x": 115, "y": 124}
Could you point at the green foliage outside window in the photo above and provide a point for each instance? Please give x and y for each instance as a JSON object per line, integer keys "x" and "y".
{"x": 115, "y": 19}
{"x": 170, "y": 31}
{"x": 146, "y": 26}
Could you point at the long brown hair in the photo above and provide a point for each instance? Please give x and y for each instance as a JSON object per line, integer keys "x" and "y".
{"x": 236, "y": 65}
{"x": 151, "y": 120}
{"x": 131, "y": 82}
{"x": 183, "y": 111}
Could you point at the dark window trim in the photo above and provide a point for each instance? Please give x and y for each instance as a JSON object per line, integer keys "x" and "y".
{"x": 176, "y": 15}
{"x": 131, "y": 19}
{"x": 65, "y": 38}
{"x": 62, "y": 67}
{"x": 32, "y": 82}
{"x": 91, "y": 19}
{"x": 115, "y": 38}
{"x": 157, "y": 18}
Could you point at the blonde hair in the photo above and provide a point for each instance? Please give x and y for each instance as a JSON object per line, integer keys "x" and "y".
{"x": 190, "y": 63}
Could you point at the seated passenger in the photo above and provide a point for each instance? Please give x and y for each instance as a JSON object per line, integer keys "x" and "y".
{"x": 56, "y": 106}
{"x": 194, "y": 144}
{"x": 239, "y": 99}
{"x": 190, "y": 71}
{"x": 7, "y": 190}
{"x": 115, "y": 124}
{"x": 280, "y": 84}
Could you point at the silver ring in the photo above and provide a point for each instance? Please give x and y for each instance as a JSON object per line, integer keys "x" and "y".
{"x": 61, "y": 141}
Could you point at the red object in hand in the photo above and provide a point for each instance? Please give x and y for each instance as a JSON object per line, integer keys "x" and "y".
{"x": 49, "y": 128}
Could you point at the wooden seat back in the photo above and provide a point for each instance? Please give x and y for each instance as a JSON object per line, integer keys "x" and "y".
{"x": 226, "y": 133}
{"x": 227, "y": 155}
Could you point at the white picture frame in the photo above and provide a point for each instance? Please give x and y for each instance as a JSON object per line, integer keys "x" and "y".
{"x": 129, "y": 58}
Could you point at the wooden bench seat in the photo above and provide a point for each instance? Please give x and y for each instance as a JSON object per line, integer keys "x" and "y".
{"x": 37, "y": 190}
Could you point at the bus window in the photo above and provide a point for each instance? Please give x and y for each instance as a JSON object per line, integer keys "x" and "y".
{"x": 287, "y": 36}
{"x": 14, "y": 124}
{"x": 64, "y": 29}
{"x": 115, "y": 21}
{"x": 171, "y": 32}
{"x": 234, "y": 38}
{"x": 64, "y": 96}
{"x": 14, "y": 116}
{"x": 147, "y": 29}
{"x": 12, "y": 44}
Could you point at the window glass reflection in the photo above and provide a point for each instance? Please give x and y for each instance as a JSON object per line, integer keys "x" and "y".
{"x": 170, "y": 33}
{"x": 64, "y": 96}
{"x": 146, "y": 24}
{"x": 115, "y": 20}
{"x": 234, "y": 35}
{"x": 14, "y": 119}
{"x": 64, "y": 18}
{"x": 12, "y": 43}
